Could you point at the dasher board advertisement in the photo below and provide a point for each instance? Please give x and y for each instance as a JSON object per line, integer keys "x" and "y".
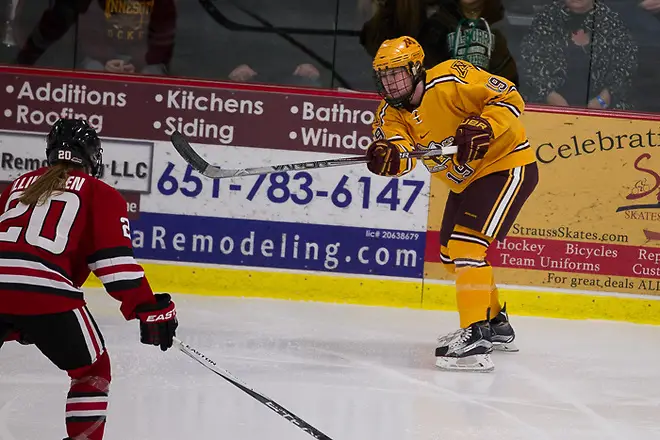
{"x": 593, "y": 222}
{"x": 339, "y": 220}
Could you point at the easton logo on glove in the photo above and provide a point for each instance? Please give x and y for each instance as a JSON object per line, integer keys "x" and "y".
{"x": 158, "y": 321}
{"x": 472, "y": 139}
{"x": 162, "y": 317}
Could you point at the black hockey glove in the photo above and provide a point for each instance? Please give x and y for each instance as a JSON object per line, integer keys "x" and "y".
{"x": 158, "y": 321}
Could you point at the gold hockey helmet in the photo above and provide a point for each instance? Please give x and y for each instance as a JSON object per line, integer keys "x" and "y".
{"x": 398, "y": 68}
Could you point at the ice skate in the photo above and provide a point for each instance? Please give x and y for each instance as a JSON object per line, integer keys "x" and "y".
{"x": 502, "y": 334}
{"x": 467, "y": 349}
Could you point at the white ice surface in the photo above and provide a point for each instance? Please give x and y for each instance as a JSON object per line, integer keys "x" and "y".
{"x": 355, "y": 373}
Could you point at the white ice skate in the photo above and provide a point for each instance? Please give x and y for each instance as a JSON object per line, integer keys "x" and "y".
{"x": 467, "y": 349}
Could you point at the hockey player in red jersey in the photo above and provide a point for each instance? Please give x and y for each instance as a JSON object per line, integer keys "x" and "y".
{"x": 57, "y": 224}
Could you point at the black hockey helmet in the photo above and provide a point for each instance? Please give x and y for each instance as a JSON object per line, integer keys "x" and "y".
{"x": 75, "y": 141}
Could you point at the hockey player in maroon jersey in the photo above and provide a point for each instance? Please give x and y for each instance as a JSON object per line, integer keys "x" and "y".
{"x": 57, "y": 224}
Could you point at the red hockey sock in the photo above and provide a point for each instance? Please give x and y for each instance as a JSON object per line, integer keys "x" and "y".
{"x": 87, "y": 401}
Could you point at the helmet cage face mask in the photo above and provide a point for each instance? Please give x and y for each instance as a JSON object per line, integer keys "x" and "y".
{"x": 396, "y": 85}
{"x": 96, "y": 162}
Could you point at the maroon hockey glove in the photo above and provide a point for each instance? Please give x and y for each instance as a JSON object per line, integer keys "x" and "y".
{"x": 158, "y": 321}
{"x": 472, "y": 139}
{"x": 384, "y": 158}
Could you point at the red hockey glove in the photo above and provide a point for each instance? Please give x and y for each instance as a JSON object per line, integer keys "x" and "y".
{"x": 384, "y": 158}
{"x": 158, "y": 321}
{"x": 472, "y": 139}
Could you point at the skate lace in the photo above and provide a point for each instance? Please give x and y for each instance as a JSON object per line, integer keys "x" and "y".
{"x": 458, "y": 337}
{"x": 465, "y": 336}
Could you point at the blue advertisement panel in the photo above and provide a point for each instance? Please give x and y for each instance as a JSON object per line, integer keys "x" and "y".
{"x": 281, "y": 245}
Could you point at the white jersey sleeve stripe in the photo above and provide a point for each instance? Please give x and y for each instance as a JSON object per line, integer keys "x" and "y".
{"x": 115, "y": 261}
{"x": 121, "y": 276}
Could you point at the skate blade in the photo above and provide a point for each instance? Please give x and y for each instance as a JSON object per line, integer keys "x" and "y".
{"x": 508, "y": 347}
{"x": 481, "y": 363}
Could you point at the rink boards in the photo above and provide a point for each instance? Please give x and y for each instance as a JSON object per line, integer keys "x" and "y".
{"x": 584, "y": 247}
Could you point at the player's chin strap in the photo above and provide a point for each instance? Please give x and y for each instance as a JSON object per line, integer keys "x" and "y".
{"x": 211, "y": 365}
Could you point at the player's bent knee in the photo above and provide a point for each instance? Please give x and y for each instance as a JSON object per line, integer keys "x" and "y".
{"x": 446, "y": 260}
{"x": 93, "y": 378}
{"x": 467, "y": 249}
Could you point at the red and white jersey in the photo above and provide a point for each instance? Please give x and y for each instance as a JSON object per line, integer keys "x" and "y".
{"x": 48, "y": 251}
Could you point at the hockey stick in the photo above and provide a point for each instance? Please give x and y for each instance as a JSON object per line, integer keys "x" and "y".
{"x": 279, "y": 409}
{"x": 215, "y": 172}
{"x": 269, "y": 28}
{"x": 219, "y": 18}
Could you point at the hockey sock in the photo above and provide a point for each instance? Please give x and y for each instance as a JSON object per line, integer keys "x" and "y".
{"x": 495, "y": 305}
{"x": 474, "y": 275}
{"x": 87, "y": 401}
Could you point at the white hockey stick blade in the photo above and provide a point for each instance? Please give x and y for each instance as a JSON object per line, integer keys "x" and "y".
{"x": 186, "y": 151}
{"x": 279, "y": 409}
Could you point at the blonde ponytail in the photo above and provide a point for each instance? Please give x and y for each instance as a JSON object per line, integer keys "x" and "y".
{"x": 49, "y": 182}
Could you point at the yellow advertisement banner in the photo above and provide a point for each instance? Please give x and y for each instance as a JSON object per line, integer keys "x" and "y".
{"x": 593, "y": 222}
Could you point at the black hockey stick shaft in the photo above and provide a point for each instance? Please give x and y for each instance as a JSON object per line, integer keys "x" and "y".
{"x": 279, "y": 409}
{"x": 271, "y": 29}
{"x": 186, "y": 151}
{"x": 219, "y": 18}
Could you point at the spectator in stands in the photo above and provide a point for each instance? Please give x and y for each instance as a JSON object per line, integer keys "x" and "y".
{"x": 120, "y": 36}
{"x": 653, "y": 6}
{"x": 446, "y": 29}
{"x": 270, "y": 57}
{"x": 304, "y": 74}
{"x": 578, "y": 53}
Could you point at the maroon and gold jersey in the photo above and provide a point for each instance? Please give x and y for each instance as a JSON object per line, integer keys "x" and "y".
{"x": 47, "y": 251}
{"x": 454, "y": 90}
